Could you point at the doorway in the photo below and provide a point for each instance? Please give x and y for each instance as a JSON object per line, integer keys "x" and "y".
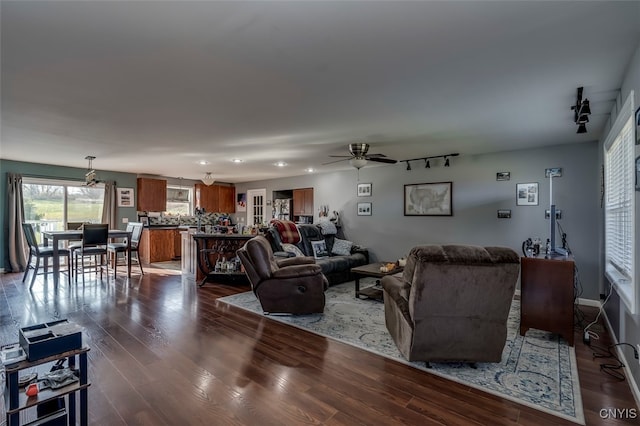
{"x": 256, "y": 206}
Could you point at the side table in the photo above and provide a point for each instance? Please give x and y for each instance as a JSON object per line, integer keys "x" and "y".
{"x": 16, "y": 401}
{"x": 371, "y": 270}
{"x": 547, "y": 295}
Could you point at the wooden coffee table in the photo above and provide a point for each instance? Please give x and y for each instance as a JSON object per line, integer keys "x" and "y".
{"x": 371, "y": 270}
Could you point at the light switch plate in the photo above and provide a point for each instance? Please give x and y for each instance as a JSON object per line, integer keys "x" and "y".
{"x": 125, "y": 220}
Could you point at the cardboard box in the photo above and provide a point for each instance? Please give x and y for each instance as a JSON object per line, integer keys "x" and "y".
{"x": 50, "y": 338}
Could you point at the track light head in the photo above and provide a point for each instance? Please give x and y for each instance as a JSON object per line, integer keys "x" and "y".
{"x": 584, "y": 108}
{"x": 446, "y": 162}
{"x": 582, "y": 128}
{"x": 408, "y": 166}
{"x": 426, "y": 164}
{"x": 584, "y": 118}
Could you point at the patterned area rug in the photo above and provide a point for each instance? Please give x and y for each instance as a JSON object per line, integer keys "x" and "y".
{"x": 537, "y": 370}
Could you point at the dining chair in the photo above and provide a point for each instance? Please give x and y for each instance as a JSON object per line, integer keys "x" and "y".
{"x": 114, "y": 248}
{"x": 40, "y": 252}
{"x": 94, "y": 243}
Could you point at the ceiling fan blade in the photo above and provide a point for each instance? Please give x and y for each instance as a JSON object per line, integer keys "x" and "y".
{"x": 341, "y": 156}
{"x": 383, "y": 160}
{"x": 374, "y": 156}
{"x": 337, "y": 161}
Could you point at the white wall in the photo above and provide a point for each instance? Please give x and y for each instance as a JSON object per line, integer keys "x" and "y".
{"x": 476, "y": 198}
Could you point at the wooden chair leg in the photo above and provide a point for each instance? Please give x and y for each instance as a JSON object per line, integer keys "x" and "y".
{"x": 26, "y": 270}
{"x": 35, "y": 271}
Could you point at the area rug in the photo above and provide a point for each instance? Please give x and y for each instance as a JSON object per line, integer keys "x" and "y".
{"x": 538, "y": 370}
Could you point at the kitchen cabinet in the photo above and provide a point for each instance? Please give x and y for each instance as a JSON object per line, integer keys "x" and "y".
{"x": 303, "y": 202}
{"x": 152, "y": 195}
{"x": 216, "y": 198}
{"x": 158, "y": 244}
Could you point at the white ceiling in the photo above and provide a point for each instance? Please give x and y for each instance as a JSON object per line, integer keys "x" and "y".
{"x": 154, "y": 87}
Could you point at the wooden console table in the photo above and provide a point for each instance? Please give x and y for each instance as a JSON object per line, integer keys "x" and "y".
{"x": 211, "y": 247}
{"x": 547, "y": 295}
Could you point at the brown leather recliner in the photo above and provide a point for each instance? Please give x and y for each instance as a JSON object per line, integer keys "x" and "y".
{"x": 292, "y": 285}
{"x": 451, "y": 302}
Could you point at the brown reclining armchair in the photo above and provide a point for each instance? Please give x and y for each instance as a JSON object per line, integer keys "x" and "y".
{"x": 292, "y": 285}
{"x": 451, "y": 302}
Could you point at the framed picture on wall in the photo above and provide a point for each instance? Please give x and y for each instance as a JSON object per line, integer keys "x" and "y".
{"x": 364, "y": 190}
{"x": 364, "y": 209}
{"x": 125, "y": 197}
{"x": 428, "y": 199}
{"x": 527, "y": 194}
{"x": 637, "y": 126}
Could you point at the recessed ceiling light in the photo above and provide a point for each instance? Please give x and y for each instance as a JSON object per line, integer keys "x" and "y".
{"x": 281, "y": 164}
{"x": 237, "y": 160}
{"x": 309, "y": 170}
{"x": 203, "y": 162}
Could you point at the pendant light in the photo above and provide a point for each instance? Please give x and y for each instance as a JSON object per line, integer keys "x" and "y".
{"x": 208, "y": 179}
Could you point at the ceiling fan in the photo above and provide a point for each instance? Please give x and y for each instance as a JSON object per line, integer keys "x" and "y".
{"x": 359, "y": 156}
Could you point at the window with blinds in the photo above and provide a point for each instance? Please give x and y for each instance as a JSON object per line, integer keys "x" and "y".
{"x": 619, "y": 206}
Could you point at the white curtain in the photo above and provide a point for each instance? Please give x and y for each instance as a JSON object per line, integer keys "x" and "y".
{"x": 17, "y": 242}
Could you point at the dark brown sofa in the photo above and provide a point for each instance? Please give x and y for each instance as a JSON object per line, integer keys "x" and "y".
{"x": 292, "y": 285}
{"x": 337, "y": 268}
{"x": 451, "y": 302}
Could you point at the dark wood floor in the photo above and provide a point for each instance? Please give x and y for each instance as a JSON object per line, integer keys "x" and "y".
{"x": 166, "y": 352}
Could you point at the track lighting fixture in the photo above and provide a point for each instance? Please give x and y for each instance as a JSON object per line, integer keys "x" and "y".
{"x": 581, "y": 111}
{"x": 427, "y": 164}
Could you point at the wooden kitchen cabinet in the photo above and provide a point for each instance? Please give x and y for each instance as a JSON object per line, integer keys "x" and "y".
{"x": 152, "y": 195}
{"x": 157, "y": 245}
{"x": 216, "y": 198}
{"x": 303, "y": 202}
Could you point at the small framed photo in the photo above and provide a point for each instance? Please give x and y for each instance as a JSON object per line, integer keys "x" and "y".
{"x": 553, "y": 172}
{"x": 125, "y": 197}
{"x": 504, "y": 214}
{"x": 364, "y": 190}
{"x": 364, "y": 209}
{"x": 638, "y": 126}
{"x": 503, "y": 175}
{"x": 527, "y": 194}
{"x": 319, "y": 249}
{"x": 144, "y": 220}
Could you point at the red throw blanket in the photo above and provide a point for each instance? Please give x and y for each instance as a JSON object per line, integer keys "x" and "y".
{"x": 288, "y": 231}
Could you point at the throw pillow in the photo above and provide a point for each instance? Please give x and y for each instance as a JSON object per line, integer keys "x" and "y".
{"x": 292, "y": 248}
{"x": 319, "y": 249}
{"x": 341, "y": 247}
{"x": 327, "y": 227}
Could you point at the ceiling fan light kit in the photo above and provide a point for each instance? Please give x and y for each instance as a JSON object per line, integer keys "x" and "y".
{"x": 581, "y": 111}
{"x": 359, "y": 156}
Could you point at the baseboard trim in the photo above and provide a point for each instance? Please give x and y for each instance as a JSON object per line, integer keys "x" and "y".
{"x": 633, "y": 385}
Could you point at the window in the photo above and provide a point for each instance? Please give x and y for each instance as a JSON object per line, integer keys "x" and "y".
{"x": 49, "y": 204}
{"x": 178, "y": 201}
{"x": 619, "y": 206}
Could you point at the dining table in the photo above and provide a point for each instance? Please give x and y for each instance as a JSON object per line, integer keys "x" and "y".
{"x": 76, "y": 234}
